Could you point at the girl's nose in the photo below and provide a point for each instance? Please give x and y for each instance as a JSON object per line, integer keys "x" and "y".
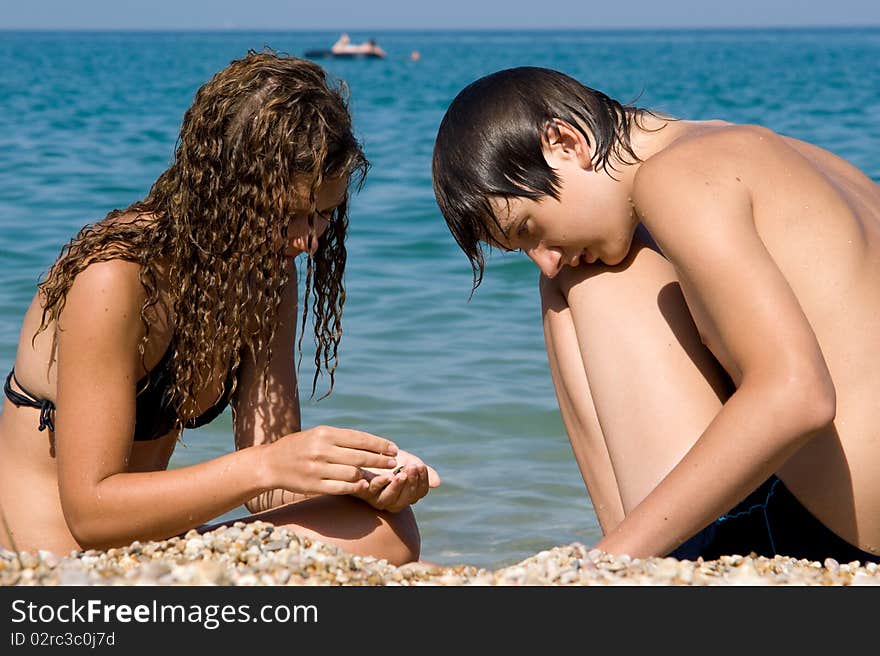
{"x": 319, "y": 227}
{"x": 321, "y": 223}
{"x": 312, "y": 243}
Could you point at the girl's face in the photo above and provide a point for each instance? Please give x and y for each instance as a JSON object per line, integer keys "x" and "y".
{"x": 592, "y": 220}
{"x": 327, "y": 198}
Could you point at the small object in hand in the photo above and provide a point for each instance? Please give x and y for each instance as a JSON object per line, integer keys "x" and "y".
{"x": 398, "y": 470}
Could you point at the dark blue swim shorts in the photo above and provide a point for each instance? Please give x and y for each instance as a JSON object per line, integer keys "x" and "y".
{"x": 771, "y": 521}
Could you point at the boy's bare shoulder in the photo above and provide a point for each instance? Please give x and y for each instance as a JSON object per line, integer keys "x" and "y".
{"x": 703, "y": 158}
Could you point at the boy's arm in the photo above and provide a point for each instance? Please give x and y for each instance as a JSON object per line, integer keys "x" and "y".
{"x": 701, "y": 217}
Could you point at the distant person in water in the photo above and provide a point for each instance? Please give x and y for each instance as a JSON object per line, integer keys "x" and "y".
{"x": 160, "y": 315}
{"x": 711, "y": 312}
{"x": 374, "y": 49}
{"x": 344, "y": 46}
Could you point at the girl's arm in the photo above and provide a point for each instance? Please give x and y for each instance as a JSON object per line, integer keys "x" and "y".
{"x": 261, "y": 418}
{"x": 97, "y": 370}
{"x": 700, "y": 214}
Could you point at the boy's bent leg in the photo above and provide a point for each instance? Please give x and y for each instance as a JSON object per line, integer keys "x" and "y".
{"x": 654, "y": 386}
{"x": 576, "y": 406}
{"x": 348, "y": 523}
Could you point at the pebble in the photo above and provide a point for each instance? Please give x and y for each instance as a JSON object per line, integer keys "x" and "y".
{"x": 258, "y": 553}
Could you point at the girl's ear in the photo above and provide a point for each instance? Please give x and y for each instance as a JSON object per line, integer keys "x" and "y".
{"x": 564, "y": 142}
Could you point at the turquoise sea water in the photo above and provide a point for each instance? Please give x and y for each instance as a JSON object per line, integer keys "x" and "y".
{"x": 89, "y": 120}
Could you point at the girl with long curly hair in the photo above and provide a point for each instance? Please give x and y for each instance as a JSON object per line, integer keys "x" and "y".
{"x": 159, "y": 316}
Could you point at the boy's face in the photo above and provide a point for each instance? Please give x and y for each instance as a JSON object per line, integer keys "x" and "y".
{"x": 592, "y": 220}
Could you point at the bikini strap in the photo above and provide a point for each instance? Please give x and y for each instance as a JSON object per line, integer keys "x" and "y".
{"x": 45, "y": 406}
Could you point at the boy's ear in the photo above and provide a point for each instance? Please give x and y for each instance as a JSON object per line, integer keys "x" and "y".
{"x": 561, "y": 140}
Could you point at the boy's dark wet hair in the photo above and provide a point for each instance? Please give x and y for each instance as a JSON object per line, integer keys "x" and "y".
{"x": 490, "y": 144}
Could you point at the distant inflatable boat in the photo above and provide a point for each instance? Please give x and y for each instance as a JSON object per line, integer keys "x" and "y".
{"x": 325, "y": 54}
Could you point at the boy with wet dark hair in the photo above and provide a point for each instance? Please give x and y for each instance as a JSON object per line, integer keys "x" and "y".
{"x": 709, "y": 306}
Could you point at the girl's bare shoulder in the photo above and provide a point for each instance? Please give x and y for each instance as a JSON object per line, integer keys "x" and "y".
{"x": 105, "y": 293}
{"x": 115, "y": 276}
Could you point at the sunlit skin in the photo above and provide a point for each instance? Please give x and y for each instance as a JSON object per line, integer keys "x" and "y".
{"x": 88, "y": 485}
{"x": 711, "y": 317}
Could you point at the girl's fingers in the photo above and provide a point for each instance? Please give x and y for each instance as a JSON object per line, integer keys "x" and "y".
{"x": 389, "y": 490}
{"x": 390, "y": 496}
{"x": 343, "y": 487}
{"x": 420, "y": 486}
{"x": 361, "y": 441}
{"x": 344, "y": 473}
{"x": 358, "y": 458}
{"x": 377, "y": 483}
{"x": 417, "y": 485}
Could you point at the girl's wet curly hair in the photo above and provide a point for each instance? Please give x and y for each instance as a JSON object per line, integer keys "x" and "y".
{"x": 214, "y": 215}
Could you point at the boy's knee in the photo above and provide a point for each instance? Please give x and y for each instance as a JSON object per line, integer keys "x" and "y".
{"x": 637, "y": 279}
{"x": 551, "y": 294}
{"x": 547, "y": 285}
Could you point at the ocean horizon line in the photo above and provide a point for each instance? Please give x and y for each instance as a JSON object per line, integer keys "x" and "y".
{"x": 442, "y": 30}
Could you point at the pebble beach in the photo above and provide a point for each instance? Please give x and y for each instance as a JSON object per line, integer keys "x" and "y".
{"x": 258, "y": 553}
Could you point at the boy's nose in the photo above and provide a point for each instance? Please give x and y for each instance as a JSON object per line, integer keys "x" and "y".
{"x": 549, "y": 260}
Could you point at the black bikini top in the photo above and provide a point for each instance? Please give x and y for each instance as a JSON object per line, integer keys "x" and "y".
{"x": 155, "y": 415}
